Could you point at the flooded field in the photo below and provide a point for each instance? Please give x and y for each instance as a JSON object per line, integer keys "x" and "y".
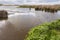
{"x": 21, "y": 20}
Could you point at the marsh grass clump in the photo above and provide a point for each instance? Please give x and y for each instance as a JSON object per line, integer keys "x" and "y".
{"x": 48, "y": 31}
{"x": 3, "y": 15}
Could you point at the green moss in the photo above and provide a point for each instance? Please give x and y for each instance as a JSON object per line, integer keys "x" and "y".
{"x": 48, "y": 31}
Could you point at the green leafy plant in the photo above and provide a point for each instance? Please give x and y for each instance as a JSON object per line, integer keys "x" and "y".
{"x": 48, "y": 31}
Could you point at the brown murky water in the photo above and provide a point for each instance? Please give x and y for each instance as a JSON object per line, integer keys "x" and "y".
{"x": 17, "y": 26}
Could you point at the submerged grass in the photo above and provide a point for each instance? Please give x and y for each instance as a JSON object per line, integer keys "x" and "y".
{"x": 48, "y": 31}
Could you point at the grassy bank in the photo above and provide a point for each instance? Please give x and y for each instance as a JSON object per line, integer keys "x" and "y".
{"x": 55, "y": 7}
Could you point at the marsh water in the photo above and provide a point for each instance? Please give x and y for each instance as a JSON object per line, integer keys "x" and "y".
{"x": 21, "y": 20}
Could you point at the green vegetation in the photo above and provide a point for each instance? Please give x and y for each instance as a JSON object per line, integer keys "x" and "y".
{"x": 48, "y": 31}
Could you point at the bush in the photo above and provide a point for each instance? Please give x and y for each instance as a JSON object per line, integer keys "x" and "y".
{"x": 48, "y": 31}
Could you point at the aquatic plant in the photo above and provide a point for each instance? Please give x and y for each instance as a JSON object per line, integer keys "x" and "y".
{"x": 47, "y": 31}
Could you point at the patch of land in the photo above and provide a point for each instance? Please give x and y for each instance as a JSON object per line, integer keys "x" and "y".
{"x": 46, "y": 8}
{"x": 56, "y": 7}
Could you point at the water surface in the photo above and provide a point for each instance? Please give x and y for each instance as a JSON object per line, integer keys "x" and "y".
{"x": 20, "y": 22}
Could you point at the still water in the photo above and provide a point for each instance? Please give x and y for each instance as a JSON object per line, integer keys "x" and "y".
{"x": 21, "y": 20}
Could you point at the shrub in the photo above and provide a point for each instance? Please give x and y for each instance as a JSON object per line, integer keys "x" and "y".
{"x": 48, "y": 31}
